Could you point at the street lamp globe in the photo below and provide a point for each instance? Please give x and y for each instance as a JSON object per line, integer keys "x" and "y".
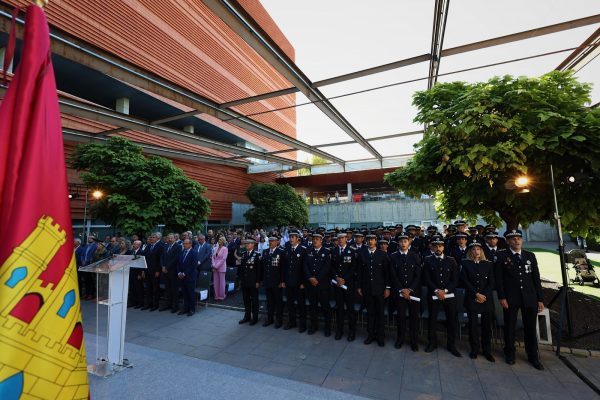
{"x": 522, "y": 181}
{"x": 97, "y": 194}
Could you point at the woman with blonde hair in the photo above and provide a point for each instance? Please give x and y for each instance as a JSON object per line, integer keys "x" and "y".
{"x": 219, "y": 267}
{"x": 477, "y": 277}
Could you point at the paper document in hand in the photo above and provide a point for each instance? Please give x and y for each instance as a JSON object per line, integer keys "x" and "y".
{"x": 334, "y": 282}
{"x": 448, "y": 296}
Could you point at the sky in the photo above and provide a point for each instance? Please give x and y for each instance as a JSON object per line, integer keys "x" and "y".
{"x": 334, "y": 37}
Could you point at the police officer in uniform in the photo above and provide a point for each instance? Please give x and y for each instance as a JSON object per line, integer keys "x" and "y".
{"x": 491, "y": 246}
{"x": 460, "y": 250}
{"x": 344, "y": 264}
{"x": 249, "y": 275}
{"x": 477, "y": 277}
{"x": 405, "y": 273}
{"x": 272, "y": 278}
{"x": 317, "y": 271}
{"x": 441, "y": 274}
{"x": 374, "y": 286}
{"x": 519, "y": 287}
{"x": 293, "y": 281}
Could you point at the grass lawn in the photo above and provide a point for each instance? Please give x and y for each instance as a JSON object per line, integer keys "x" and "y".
{"x": 549, "y": 265}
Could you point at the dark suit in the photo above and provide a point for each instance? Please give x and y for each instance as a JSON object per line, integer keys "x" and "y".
{"x": 231, "y": 249}
{"x": 153, "y": 254}
{"x": 170, "y": 258}
{"x": 479, "y": 278}
{"x": 441, "y": 274}
{"x": 187, "y": 264}
{"x": 345, "y": 265}
{"x": 490, "y": 254}
{"x": 518, "y": 281}
{"x": 405, "y": 273}
{"x": 293, "y": 277}
{"x": 317, "y": 264}
{"x": 204, "y": 256}
{"x": 89, "y": 278}
{"x": 272, "y": 277}
{"x": 458, "y": 254}
{"x": 136, "y": 283}
{"x": 249, "y": 275}
{"x": 374, "y": 279}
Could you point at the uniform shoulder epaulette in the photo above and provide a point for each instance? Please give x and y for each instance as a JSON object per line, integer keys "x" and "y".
{"x": 302, "y": 246}
{"x": 502, "y": 251}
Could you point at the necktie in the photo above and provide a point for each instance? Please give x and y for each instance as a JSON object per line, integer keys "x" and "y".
{"x": 518, "y": 255}
{"x": 169, "y": 248}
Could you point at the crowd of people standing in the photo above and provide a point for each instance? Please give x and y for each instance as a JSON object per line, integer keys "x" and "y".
{"x": 301, "y": 270}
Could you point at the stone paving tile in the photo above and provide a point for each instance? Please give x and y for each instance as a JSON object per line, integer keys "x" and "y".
{"x": 387, "y": 389}
{"x": 310, "y": 374}
{"x": 407, "y": 394}
{"x": 351, "y": 367}
{"x": 343, "y": 383}
{"x": 204, "y": 352}
{"x": 278, "y": 369}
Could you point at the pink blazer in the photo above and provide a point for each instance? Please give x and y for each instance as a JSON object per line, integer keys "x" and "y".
{"x": 219, "y": 258}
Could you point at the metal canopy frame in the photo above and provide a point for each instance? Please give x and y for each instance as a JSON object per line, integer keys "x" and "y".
{"x": 233, "y": 14}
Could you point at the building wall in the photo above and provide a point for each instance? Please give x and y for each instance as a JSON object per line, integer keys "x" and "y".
{"x": 184, "y": 42}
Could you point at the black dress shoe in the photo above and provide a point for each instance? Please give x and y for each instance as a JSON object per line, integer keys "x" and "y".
{"x": 278, "y": 324}
{"x": 145, "y": 308}
{"x": 414, "y": 347}
{"x": 312, "y": 331}
{"x": 380, "y": 342}
{"x": 369, "y": 340}
{"x": 243, "y": 320}
{"x": 489, "y": 357}
{"x": 510, "y": 360}
{"x": 338, "y": 335}
{"x": 154, "y": 309}
{"x": 253, "y": 322}
{"x": 537, "y": 365}
{"x": 398, "y": 344}
{"x": 351, "y": 336}
{"x": 289, "y": 326}
{"x": 182, "y": 312}
{"x": 164, "y": 309}
{"x": 473, "y": 355}
{"x": 302, "y": 329}
{"x": 327, "y": 332}
{"x": 130, "y": 306}
{"x": 173, "y": 310}
{"x": 267, "y": 323}
{"x": 137, "y": 307}
{"x": 454, "y": 352}
{"x": 430, "y": 348}
{"x": 191, "y": 313}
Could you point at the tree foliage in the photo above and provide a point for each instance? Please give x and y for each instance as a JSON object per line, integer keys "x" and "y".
{"x": 140, "y": 192}
{"x": 312, "y": 160}
{"x": 275, "y": 205}
{"x": 479, "y": 137}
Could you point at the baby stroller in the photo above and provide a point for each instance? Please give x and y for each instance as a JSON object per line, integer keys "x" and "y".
{"x": 584, "y": 271}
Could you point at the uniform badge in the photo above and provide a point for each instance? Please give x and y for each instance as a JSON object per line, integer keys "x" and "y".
{"x": 528, "y": 268}
{"x": 323, "y": 255}
{"x": 298, "y": 255}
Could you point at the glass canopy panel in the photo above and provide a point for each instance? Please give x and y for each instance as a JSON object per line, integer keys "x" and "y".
{"x": 399, "y": 146}
{"x": 474, "y": 20}
{"x": 381, "y": 112}
{"x": 348, "y": 152}
{"x": 336, "y": 37}
{"x": 566, "y": 40}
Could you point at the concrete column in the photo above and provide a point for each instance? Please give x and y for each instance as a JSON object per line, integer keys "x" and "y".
{"x": 2, "y": 55}
{"x": 122, "y": 105}
{"x": 188, "y": 128}
{"x": 349, "y": 189}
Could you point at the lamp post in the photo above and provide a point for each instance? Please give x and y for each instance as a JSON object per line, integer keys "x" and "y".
{"x": 96, "y": 194}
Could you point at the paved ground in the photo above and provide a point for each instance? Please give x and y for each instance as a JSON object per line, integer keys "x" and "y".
{"x": 210, "y": 356}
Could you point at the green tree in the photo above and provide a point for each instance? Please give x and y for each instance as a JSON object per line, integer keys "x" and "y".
{"x": 480, "y": 136}
{"x": 275, "y": 205}
{"x": 312, "y": 160}
{"x": 140, "y": 192}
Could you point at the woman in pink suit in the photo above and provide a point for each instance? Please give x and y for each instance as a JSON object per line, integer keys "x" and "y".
{"x": 219, "y": 268}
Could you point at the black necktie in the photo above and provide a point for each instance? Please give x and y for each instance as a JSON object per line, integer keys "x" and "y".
{"x": 518, "y": 255}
